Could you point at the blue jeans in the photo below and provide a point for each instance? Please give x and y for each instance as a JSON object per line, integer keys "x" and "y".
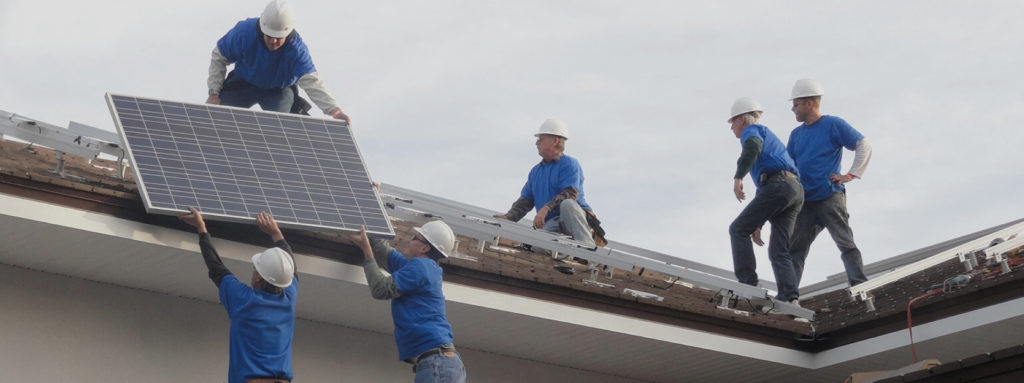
{"x": 439, "y": 368}
{"x": 241, "y": 93}
{"x": 828, "y": 213}
{"x": 777, "y": 201}
{"x": 571, "y": 220}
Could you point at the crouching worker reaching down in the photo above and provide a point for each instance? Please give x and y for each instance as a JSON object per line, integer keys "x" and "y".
{"x": 555, "y": 188}
{"x": 422, "y": 332}
{"x": 262, "y": 316}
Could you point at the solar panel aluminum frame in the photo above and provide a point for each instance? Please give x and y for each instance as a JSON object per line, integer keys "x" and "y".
{"x": 285, "y": 223}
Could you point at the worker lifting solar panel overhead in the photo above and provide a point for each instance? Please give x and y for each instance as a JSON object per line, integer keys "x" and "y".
{"x": 232, "y": 163}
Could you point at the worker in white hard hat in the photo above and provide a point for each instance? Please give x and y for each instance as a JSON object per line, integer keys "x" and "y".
{"x": 554, "y": 188}
{"x": 422, "y": 332}
{"x": 270, "y": 59}
{"x": 778, "y": 199}
{"x": 817, "y": 147}
{"x": 262, "y": 315}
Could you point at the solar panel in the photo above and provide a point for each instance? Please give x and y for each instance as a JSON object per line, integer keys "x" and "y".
{"x": 232, "y": 163}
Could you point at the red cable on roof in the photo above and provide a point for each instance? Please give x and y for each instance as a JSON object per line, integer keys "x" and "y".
{"x": 910, "y": 325}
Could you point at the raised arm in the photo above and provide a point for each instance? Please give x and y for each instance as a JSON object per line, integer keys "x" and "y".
{"x": 267, "y": 225}
{"x": 381, "y": 286}
{"x": 215, "y": 266}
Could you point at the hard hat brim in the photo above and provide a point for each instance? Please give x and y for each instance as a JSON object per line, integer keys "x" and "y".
{"x": 444, "y": 253}
{"x": 274, "y": 33}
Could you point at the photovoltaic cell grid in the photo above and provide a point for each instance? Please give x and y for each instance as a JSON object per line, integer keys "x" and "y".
{"x": 232, "y": 163}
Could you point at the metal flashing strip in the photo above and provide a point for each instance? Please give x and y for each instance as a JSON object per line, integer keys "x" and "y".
{"x": 977, "y": 244}
{"x": 478, "y": 223}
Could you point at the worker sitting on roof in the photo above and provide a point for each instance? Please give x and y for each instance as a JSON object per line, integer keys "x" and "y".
{"x": 270, "y": 59}
{"x": 555, "y": 188}
{"x": 262, "y": 316}
{"x": 422, "y": 332}
{"x": 817, "y": 148}
{"x": 778, "y": 199}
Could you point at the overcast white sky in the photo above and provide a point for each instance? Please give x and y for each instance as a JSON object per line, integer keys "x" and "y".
{"x": 445, "y": 97}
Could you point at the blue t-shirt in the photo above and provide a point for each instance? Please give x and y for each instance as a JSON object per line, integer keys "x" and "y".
{"x": 773, "y": 157}
{"x": 261, "y": 330}
{"x": 818, "y": 151}
{"x": 547, "y": 179}
{"x": 419, "y": 313}
{"x": 265, "y": 69}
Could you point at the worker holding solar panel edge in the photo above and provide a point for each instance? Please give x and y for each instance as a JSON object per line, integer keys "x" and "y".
{"x": 262, "y": 316}
{"x": 271, "y": 62}
{"x": 423, "y": 334}
{"x": 778, "y": 199}
{"x": 554, "y": 187}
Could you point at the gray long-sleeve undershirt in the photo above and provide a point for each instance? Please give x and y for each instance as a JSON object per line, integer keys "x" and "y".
{"x": 382, "y": 286}
{"x": 861, "y": 158}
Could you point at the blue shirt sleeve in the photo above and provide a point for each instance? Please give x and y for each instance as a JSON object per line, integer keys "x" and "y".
{"x": 410, "y": 278}
{"x": 396, "y": 261}
{"x": 528, "y": 187}
{"x": 571, "y": 175}
{"x": 750, "y": 131}
{"x": 789, "y": 146}
{"x": 845, "y": 135}
{"x": 303, "y": 62}
{"x": 232, "y": 292}
{"x": 231, "y": 45}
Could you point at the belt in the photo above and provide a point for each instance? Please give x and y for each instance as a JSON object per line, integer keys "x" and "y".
{"x": 784, "y": 173}
{"x": 431, "y": 352}
{"x": 268, "y": 380}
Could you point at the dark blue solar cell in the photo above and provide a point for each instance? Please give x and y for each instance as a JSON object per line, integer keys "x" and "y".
{"x": 234, "y": 207}
{"x": 305, "y": 214}
{"x": 273, "y": 192}
{"x": 171, "y": 163}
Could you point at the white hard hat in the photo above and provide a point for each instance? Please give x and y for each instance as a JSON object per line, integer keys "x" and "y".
{"x": 439, "y": 235}
{"x": 277, "y": 20}
{"x": 806, "y": 88}
{"x": 555, "y": 127}
{"x": 275, "y": 266}
{"x": 744, "y": 105}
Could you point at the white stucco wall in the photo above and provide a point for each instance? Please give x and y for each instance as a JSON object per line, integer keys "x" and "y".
{"x": 55, "y": 328}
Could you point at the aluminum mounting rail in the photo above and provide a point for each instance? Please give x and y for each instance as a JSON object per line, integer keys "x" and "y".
{"x": 862, "y": 290}
{"x": 478, "y": 223}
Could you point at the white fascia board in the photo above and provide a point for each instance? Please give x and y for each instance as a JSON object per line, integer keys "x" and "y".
{"x": 628, "y": 325}
{"x": 924, "y": 332}
{"x": 106, "y": 225}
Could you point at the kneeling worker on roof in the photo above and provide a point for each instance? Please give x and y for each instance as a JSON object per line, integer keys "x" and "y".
{"x": 778, "y": 199}
{"x": 262, "y": 316}
{"x": 270, "y": 60}
{"x": 555, "y": 188}
{"x": 422, "y": 332}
